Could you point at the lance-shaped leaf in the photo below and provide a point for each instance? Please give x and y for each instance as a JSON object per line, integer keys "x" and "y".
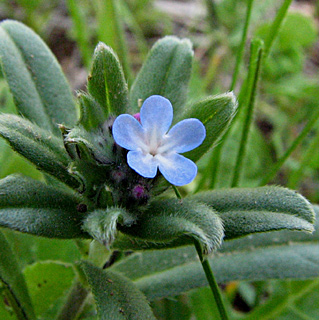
{"x": 14, "y": 284}
{"x": 250, "y": 210}
{"x": 216, "y": 113}
{"x": 39, "y": 88}
{"x": 106, "y": 82}
{"x": 166, "y": 72}
{"x": 30, "y": 206}
{"x": 274, "y": 255}
{"x": 92, "y": 114}
{"x": 116, "y": 296}
{"x": 39, "y": 146}
{"x": 102, "y": 224}
{"x": 92, "y": 146}
{"x": 167, "y": 220}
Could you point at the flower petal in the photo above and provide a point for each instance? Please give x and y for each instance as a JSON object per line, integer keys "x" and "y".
{"x": 128, "y": 132}
{"x": 156, "y": 116}
{"x": 144, "y": 164}
{"x": 186, "y": 135}
{"x": 177, "y": 169}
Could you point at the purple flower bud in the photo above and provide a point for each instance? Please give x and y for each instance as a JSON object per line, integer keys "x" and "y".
{"x": 137, "y": 117}
{"x": 139, "y": 192}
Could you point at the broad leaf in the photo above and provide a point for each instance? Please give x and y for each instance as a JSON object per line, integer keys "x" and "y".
{"x": 39, "y": 88}
{"x": 289, "y": 300}
{"x": 47, "y": 281}
{"x": 106, "y": 82}
{"x": 176, "y": 222}
{"x": 30, "y": 206}
{"x": 116, "y": 296}
{"x": 216, "y": 113}
{"x": 37, "y": 145}
{"x": 274, "y": 255}
{"x": 166, "y": 72}
{"x": 250, "y": 210}
{"x": 13, "y": 281}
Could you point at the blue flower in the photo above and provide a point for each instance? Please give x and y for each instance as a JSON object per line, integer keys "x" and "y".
{"x": 152, "y": 146}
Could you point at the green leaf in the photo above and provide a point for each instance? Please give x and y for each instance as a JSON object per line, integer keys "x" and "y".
{"x": 39, "y": 88}
{"x": 14, "y": 283}
{"x": 166, "y": 72}
{"x": 102, "y": 224}
{"x": 33, "y": 207}
{"x": 92, "y": 146}
{"x": 273, "y": 255}
{"x": 167, "y": 220}
{"x": 289, "y": 300}
{"x": 116, "y": 296}
{"x": 216, "y": 113}
{"x": 47, "y": 281}
{"x": 38, "y": 146}
{"x": 92, "y": 114}
{"x": 106, "y": 82}
{"x": 249, "y": 210}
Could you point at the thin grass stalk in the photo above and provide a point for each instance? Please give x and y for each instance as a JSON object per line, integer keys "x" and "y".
{"x": 275, "y": 26}
{"x": 303, "y": 134}
{"x": 273, "y": 33}
{"x": 241, "y": 48}
{"x": 296, "y": 176}
{"x": 134, "y": 27}
{"x": 110, "y": 31}
{"x": 253, "y": 77}
{"x": 81, "y": 31}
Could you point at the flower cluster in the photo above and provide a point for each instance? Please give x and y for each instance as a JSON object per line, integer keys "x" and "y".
{"x": 153, "y": 146}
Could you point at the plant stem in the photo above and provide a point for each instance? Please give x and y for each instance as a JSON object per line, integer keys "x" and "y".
{"x": 209, "y": 273}
{"x": 274, "y": 29}
{"x": 212, "y": 282}
{"x": 253, "y": 76}
{"x": 177, "y": 193}
{"x": 242, "y": 45}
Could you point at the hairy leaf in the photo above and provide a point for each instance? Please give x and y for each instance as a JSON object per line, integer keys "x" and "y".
{"x": 250, "y": 210}
{"x": 102, "y": 224}
{"x": 30, "y": 206}
{"x": 167, "y": 220}
{"x": 106, "y": 82}
{"x": 92, "y": 114}
{"x": 116, "y": 296}
{"x": 273, "y": 255}
{"x": 13, "y": 281}
{"x": 39, "y": 88}
{"x": 216, "y": 113}
{"x": 39, "y": 146}
{"x": 166, "y": 72}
